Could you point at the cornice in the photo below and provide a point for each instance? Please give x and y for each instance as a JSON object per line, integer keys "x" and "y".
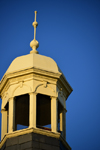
{"x": 65, "y": 86}
{"x": 65, "y": 83}
{"x": 34, "y": 71}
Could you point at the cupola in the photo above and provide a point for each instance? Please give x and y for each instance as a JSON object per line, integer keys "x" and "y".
{"x": 34, "y": 93}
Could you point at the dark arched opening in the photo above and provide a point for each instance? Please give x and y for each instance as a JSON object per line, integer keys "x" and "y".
{"x": 21, "y": 112}
{"x": 43, "y": 119}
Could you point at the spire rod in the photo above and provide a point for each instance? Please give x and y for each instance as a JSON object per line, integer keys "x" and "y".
{"x": 35, "y": 25}
{"x": 34, "y": 44}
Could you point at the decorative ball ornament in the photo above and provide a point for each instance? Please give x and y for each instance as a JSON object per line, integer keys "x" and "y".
{"x": 34, "y": 44}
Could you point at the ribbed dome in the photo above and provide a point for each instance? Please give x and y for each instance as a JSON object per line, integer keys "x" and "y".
{"x": 33, "y": 60}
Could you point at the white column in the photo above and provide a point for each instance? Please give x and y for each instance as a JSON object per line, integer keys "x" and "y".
{"x": 4, "y": 123}
{"x": 32, "y": 110}
{"x": 11, "y": 115}
{"x": 54, "y": 115}
{"x": 61, "y": 121}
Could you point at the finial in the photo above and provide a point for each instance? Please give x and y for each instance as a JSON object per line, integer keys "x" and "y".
{"x": 34, "y": 44}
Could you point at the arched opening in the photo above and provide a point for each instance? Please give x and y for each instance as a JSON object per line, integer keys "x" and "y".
{"x": 43, "y": 119}
{"x": 21, "y": 112}
{"x": 60, "y": 117}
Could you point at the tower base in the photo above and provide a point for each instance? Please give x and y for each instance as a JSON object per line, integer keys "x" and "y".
{"x": 33, "y": 139}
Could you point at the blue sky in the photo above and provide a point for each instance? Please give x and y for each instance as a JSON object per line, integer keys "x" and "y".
{"x": 68, "y": 32}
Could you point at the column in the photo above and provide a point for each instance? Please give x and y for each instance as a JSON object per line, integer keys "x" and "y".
{"x": 54, "y": 116}
{"x": 61, "y": 121}
{"x": 11, "y": 115}
{"x": 32, "y": 110}
{"x": 4, "y": 123}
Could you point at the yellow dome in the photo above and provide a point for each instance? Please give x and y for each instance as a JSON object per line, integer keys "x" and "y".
{"x": 31, "y": 61}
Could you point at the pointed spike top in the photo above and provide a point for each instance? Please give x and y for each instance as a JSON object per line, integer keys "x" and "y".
{"x": 35, "y": 15}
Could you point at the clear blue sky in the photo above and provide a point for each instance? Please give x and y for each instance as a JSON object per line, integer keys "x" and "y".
{"x": 69, "y": 32}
